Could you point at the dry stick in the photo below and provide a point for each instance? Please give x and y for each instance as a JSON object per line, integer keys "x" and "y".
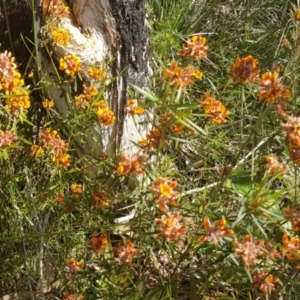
{"x": 24, "y": 248}
{"x": 36, "y": 6}
{"x": 42, "y": 228}
{"x": 41, "y": 256}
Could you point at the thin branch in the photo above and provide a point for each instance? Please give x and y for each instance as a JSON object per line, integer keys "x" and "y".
{"x": 262, "y": 142}
{"x": 25, "y": 251}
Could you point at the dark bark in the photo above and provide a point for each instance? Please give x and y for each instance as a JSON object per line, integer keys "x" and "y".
{"x": 134, "y": 37}
{"x": 134, "y": 47}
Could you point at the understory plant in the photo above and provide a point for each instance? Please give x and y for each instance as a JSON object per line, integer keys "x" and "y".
{"x": 205, "y": 208}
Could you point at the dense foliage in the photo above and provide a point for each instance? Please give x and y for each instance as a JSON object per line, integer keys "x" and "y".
{"x": 206, "y": 208}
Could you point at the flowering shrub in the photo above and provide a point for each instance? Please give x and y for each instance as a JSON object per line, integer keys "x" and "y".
{"x": 206, "y": 207}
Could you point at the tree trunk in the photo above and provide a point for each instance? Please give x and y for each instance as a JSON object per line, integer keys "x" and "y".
{"x": 101, "y": 30}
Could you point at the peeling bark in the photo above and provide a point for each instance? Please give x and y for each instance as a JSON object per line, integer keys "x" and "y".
{"x": 120, "y": 29}
{"x": 100, "y": 30}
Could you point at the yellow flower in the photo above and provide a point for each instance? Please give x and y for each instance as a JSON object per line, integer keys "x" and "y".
{"x": 73, "y": 266}
{"x": 126, "y": 252}
{"x": 48, "y": 103}
{"x": 197, "y": 73}
{"x": 100, "y": 105}
{"x": 292, "y": 127}
{"x": 47, "y": 136}
{"x": 55, "y": 8}
{"x": 164, "y": 189}
{"x": 133, "y": 108}
{"x": 105, "y": 115}
{"x": 138, "y": 110}
{"x": 97, "y": 73}
{"x": 99, "y": 242}
{"x": 60, "y": 36}
{"x": 273, "y": 166}
{"x": 18, "y": 103}
{"x": 291, "y": 246}
{"x": 264, "y": 281}
{"x": 165, "y": 193}
{"x": 177, "y": 128}
{"x": 121, "y": 169}
{"x": 76, "y": 189}
{"x": 249, "y": 250}
{"x": 36, "y": 150}
{"x": 63, "y": 160}
{"x": 52, "y": 140}
{"x": 90, "y": 91}
{"x": 132, "y": 164}
{"x": 71, "y": 64}
{"x": 59, "y": 198}
{"x": 100, "y": 199}
{"x": 107, "y": 118}
{"x": 153, "y": 139}
{"x": 297, "y": 16}
{"x": 81, "y": 101}
{"x": 214, "y": 233}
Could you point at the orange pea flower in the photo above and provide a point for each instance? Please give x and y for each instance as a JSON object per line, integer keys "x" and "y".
{"x": 165, "y": 193}
{"x": 215, "y": 109}
{"x": 214, "y": 233}
{"x": 264, "y": 281}
{"x": 99, "y": 242}
{"x": 170, "y": 228}
{"x": 132, "y": 164}
{"x": 71, "y": 64}
{"x": 272, "y": 90}
{"x": 245, "y": 69}
{"x": 181, "y": 77}
{"x": 126, "y": 252}
{"x": 248, "y": 250}
{"x": 195, "y": 48}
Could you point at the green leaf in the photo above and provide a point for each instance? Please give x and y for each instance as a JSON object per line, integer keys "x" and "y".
{"x": 194, "y": 126}
{"x": 244, "y": 178}
{"x": 147, "y": 94}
